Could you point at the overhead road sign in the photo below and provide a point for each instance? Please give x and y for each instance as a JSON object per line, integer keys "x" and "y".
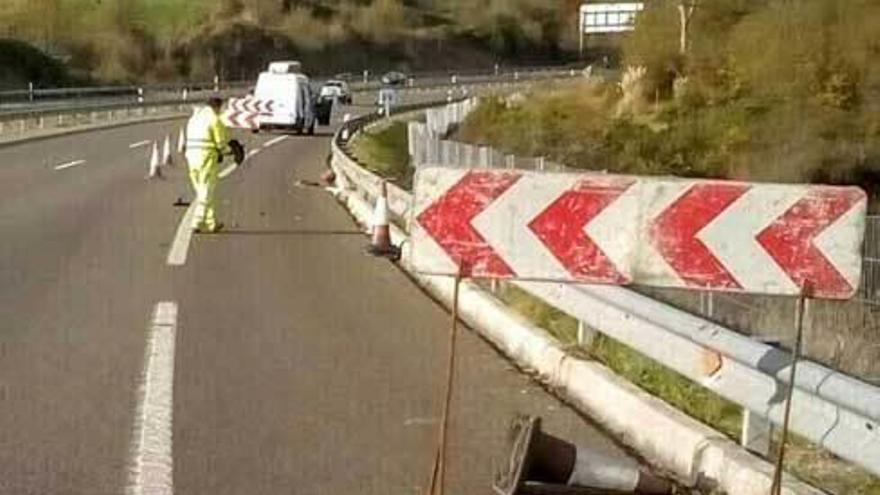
{"x": 615, "y": 229}
{"x": 601, "y": 18}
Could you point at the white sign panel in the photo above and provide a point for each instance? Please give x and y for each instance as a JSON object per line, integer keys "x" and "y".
{"x": 618, "y": 229}
{"x": 598, "y": 18}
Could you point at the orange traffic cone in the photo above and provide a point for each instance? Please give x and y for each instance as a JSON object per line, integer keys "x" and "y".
{"x": 381, "y": 244}
{"x": 537, "y": 462}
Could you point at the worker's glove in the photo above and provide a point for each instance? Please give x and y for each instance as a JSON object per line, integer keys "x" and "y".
{"x": 237, "y": 149}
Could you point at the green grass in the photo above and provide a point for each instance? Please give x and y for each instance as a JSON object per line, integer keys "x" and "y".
{"x": 384, "y": 150}
{"x": 651, "y": 376}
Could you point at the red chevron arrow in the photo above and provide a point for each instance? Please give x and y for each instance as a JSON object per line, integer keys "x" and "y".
{"x": 561, "y": 228}
{"x": 448, "y": 221}
{"x": 674, "y": 234}
{"x": 790, "y": 240}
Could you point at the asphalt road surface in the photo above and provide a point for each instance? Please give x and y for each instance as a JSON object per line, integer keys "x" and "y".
{"x": 298, "y": 364}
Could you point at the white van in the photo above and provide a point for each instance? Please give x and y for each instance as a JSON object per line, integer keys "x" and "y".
{"x": 294, "y": 103}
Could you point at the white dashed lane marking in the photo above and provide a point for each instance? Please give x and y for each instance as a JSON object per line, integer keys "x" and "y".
{"x": 69, "y": 164}
{"x": 138, "y": 144}
{"x": 273, "y": 142}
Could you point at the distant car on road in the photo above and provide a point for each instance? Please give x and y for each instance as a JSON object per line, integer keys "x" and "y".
{"x": 337, "y": 90}
{"x": 394, "y": 78}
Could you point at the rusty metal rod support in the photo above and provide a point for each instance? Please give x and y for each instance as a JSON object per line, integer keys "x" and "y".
{"x": 438, "y": 476}
{"x": 776, "y": 488}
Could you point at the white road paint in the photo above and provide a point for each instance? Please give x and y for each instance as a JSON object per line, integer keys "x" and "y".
{"x": 138, "y": 144}
{"x": 273, "y": 142}
{"x": 183, "y": 237}
{"x": 69, "y": 164}
{"x": 152, "y": 465}
{"x": 420, "y": 421}
{"x": 180, "y": 245}
{"x": 226, "y": 172}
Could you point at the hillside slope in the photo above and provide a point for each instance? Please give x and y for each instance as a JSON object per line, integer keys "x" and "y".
{"x": 194, "y": 39}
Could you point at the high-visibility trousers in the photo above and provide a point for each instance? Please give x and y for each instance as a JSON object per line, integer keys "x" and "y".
{"x": 203, "y": 175}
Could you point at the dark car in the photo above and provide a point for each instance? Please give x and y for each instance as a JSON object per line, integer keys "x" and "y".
{"x": 394, "y": 78}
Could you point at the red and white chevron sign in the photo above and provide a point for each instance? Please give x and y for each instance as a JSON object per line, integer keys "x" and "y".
{"x": 245, "y": 113}
{"x": 613, "y": 229}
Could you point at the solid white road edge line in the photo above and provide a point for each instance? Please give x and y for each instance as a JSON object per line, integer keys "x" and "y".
{"x": 138, "y": 144}
{"x": 69, "y": 164}
{"x": 152, "y": 466}
{"x": 183, "y": 237}
{"x": 273, "y": 142}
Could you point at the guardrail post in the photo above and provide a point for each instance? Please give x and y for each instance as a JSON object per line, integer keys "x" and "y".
{"x": 31, "y": 91}
{"x": 756, "y": 433}
{"x": 539, "y": 163}
{"x": 707, "y": 303}
{"x": 585, "y": 335}
{"x": 216, "y": 83}
{"x": 485, "y": 157}
{"x": 140, "y": 97}
{"x": 366, "y": 76}
{"x": 41, "y": 123}
{"x": 510, "y": 161}
{"x": 185, "y": 95}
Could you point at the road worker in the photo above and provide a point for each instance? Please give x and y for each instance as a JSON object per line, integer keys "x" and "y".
{"x": 207, "y": 140}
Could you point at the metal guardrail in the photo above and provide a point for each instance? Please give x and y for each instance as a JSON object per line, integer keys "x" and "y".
{"x": 29, "y": 103}
{"x": 831, "y": 409}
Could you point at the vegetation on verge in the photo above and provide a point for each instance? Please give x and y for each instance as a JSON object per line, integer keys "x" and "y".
{"x": 383, "y": 150}
{"x": 127, "y": 40}
{"x": 769, "y": 90}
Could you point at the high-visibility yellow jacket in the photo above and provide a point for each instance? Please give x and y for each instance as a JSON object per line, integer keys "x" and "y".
{"x": 206, "y": 137}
